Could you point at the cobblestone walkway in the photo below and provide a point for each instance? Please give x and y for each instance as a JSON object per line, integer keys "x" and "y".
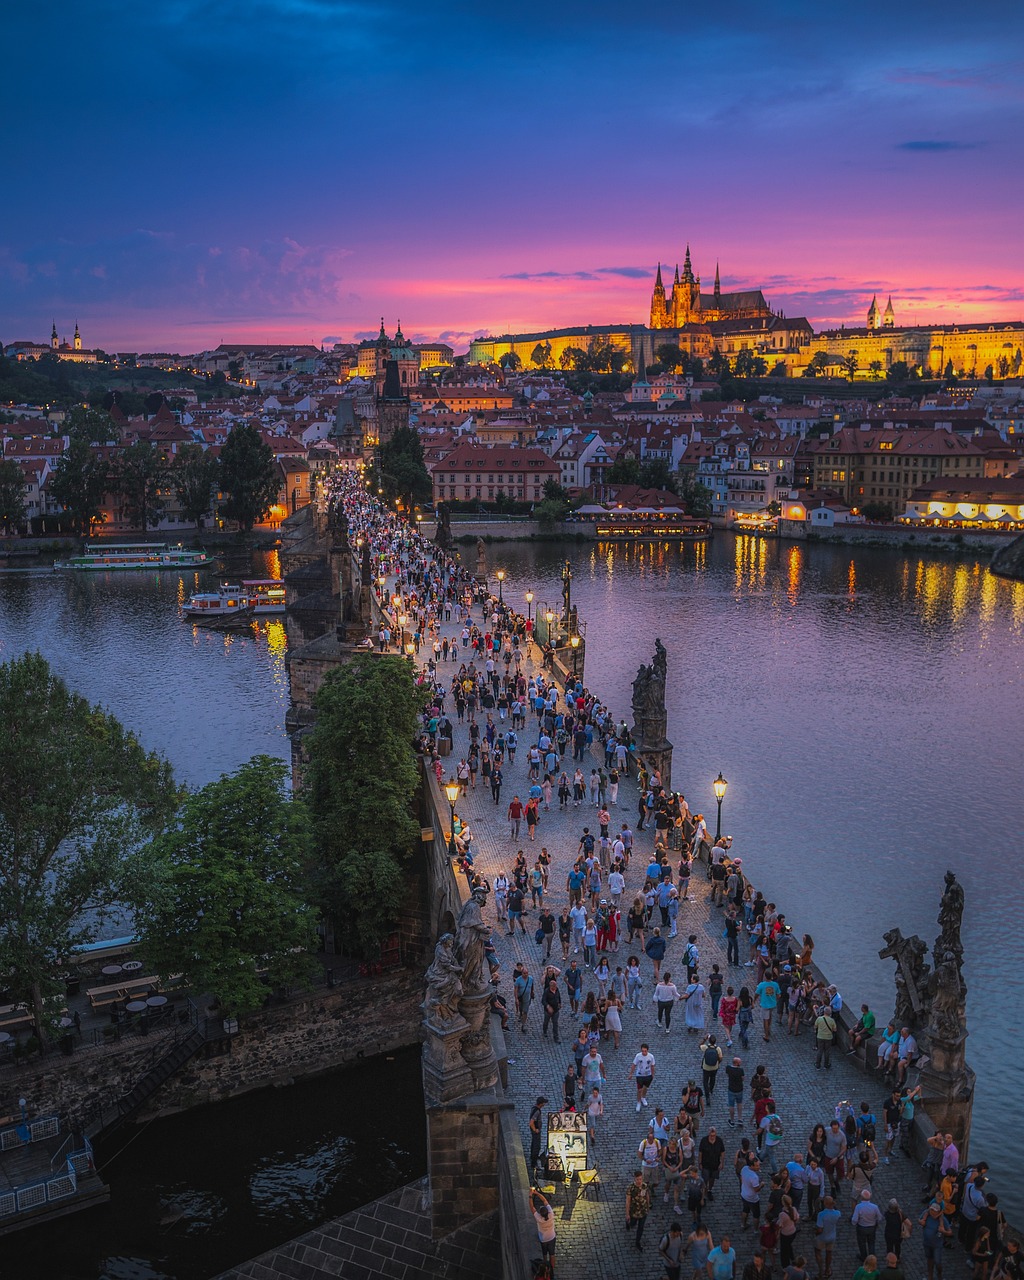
{"x": 591, "y": 1240}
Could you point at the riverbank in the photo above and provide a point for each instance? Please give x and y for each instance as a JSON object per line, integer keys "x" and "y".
{"x": 980, "y": 542}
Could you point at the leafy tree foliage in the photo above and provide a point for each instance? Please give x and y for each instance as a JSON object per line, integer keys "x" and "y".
{"x": 669, "y": 356}
{"x": 749, "y": 365}
{"x": 78, "y": 484}
{"x": 194, "y": 474}
{"x": 696, "y": 498}
{"x": 12, "y": 497}
{"x": 361, "y": 782}
{"x": 541, "y": 355}
{"x": 141, "y": 472}
{"x": 228, "y": 905}
{"x": 624, "y": 471}
{"x": 401, "y": 472}
{"x": 248, "y": 475}
{"x": 818, "y": 363}
{"x": 91, "y": 425}
{"x": 573, "y": 358}
{"x": 510, "y": 362}
{"x": 880, "y": 511}
{"x": 79, "y": 798}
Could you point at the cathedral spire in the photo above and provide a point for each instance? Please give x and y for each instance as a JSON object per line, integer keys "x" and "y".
{"x": 677, "y": 273}
{"x": 687, "y": 267}
{"x": 657, "y": 282}
{"x": 382, "y": 334}
{"x": 718, "y": 284}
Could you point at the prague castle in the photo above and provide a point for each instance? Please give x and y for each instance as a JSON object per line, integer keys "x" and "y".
{"x": 687, "y": 305}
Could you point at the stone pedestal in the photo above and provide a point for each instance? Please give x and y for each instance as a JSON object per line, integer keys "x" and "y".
{"x": 463, "y": 1161}
{"x": 659, "y": 756}
{"x": 446, "y": 1074}
{"x": 949, "y": 1105}
{"x": 477, "y": 1052}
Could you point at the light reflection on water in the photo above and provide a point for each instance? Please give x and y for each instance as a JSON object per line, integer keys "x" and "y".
{"x": 866, "y": 706}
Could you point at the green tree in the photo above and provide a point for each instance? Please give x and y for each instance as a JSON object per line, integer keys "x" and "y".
{"x": 141, "y": 472}
{"x": 573, "y": 358}
{"x": 669, "y": 355}
{"x": 361, "y": 781}
{"x": 657, "y": 474}
{"x": 851, "y": 365}
{"x": 79, "y": 483}
{"x": 510, "y": 362}
{"x": 600, "y": 356}
{"x": 750, "y": 365}
{"x": 248, "y": 475}
{"x": 555, "y": 492}
{"x": 228, "y": 904}
{"x": 624, "y": 471}
{"x": 879, "y": 511}
{"x": 818, "y": 363}
{"x": 79, "y": 800}
{"x": 718, "y": 364}
{"x": 899, "y": 371}
{"x": 876, "y": 369}
{"x": 91, "y": 425}
{"x": 696, "y": 498}
{"x": 12, "y": 497}
{"x": 541, "y": 355}
{"x": 401, "y": 472}
{"x": 194, "y": 474}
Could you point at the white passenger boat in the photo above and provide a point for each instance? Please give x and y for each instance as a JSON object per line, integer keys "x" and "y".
{"x": 255, "y": 596}
{"x": 108, "y": 556}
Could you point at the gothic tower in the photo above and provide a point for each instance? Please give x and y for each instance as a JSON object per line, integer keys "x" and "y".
{"x": 53, "y": 336}
{"x": 78, "y": 338}
{"x": 889, "y": 319}
{"x": 874, "y": 315}
{"x": 659, "y": 312}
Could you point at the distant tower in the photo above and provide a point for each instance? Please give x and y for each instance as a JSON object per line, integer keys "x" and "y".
{"x": 874, "y": 315}
{"x": 392, "y": 403}
{"x": 381, "y": 356}
{"x": 78, "y": 338}
{"x": 889, "y": 319}
{"x": 686, "y": 295}
{"x": 718, "y": 289}
{"x": 407, "y": 358}
{"x": 53, "y": 336}
{"x": 659, "y": 311}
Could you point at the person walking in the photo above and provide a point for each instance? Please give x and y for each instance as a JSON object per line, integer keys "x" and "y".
{"x": 666, "y": 993}
{"x": 551, "y": 1003}
{"x": 671, "y": 1248}
{"x": 721, "y": 1263}
{"x": 524, "y": 996}
{"x": 515, "y": 816}
{"x": 734, "y": 1077}
{"x": 638, "y": 1205}
{"x": 825, "y": 1237}
{"x": 824, "y": 1037}
{"x": 867, "y": 1217}
{"x": 711, "y": 1060}
{"x": 711, "y": 1157}
{"x": 767, "y": 993}
{"x": 642, "y": 1071}
{"x": 534, "y": 1125}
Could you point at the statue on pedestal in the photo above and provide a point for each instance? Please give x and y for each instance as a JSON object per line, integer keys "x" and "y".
{"x": 443, "y": 532}
{"x": 948, "y": 989}
{"x": 650, "y": 716}
{"x": 481, "y": 558}
{"x": 473, "y": 934}
{"x": 444, "y": 982}
{"x": 912, "y": 978}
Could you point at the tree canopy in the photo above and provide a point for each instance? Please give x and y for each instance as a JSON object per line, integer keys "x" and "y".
{"x": 248, "y": 475}
{"x": 360, "y": 785}
{"x": 140, "y": 474}
{"x": 401, "y": 472}
{"x": 12, "y": 497}
{"x": 228, "y": 904}
{"x": 78, "y": 484}
{"x": 194, "y": 473}
{"x": 79, "y": 798}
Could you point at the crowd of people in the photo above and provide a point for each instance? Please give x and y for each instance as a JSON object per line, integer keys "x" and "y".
{"x": 536, "y": 744}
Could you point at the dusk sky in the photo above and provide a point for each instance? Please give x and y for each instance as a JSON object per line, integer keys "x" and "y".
{"x": 192, "y": 171}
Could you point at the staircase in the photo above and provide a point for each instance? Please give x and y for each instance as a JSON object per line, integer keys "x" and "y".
{"x": 170, "y": 1060}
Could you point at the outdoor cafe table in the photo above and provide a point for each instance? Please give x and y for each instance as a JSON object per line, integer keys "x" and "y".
{"x": 111, "y": 970}
{"x": 132, "y": 966}
{"x": 67, "y": 1022}
{"x": 136, "y": 1006}
{"x": 4, "y": 1037}
{"x": 156, "y": 1002}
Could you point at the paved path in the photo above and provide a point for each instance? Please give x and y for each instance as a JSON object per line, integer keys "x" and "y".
{"x": 591, "y": 1240}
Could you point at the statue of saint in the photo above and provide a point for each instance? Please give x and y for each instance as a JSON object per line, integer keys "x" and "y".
{"x": 443, "y": 533}
{"x": 481, "y": 558}
{"x": 473, "y": 934}
{"x": 444, "y": 981}
{"x": 649, "y": 693}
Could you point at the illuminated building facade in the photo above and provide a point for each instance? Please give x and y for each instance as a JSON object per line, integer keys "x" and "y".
{"x": 685, "y": 304}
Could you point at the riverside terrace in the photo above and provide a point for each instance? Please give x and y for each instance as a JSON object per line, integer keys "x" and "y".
{"x": 591, "y": 1240}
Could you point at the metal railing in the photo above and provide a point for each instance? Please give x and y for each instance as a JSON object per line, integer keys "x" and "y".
{"x": 66, "y": 1167}
{"x": 38, "y": 1129}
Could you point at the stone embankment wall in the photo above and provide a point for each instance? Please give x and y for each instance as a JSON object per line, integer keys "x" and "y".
{"x": 976, "y": 541}
{"x": 318, "y": 1032}
{"x": 1008, "y": 562}
{"x": 512, "y": 529}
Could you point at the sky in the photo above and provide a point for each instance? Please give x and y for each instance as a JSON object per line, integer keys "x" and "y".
{"x": 195, "y": 171}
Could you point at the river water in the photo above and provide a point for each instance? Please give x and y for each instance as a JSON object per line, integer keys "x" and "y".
{"x": 866, "y": 706}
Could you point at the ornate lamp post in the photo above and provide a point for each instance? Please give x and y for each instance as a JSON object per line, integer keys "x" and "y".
{"x": 410, "y": 652}
{"x": 549, "y": 618}
{"x": 451, "y": 790}
{"x": 575, "y": 642}
{"x": 529, "y": 606}
{"x": 500, "y": 575}
{"x": 720, "y": 785}
{"x": 567, "y": 594}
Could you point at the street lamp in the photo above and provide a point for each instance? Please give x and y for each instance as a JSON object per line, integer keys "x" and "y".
{"x": 720, "y": 785}
{"x": 575, "y": 642}
{"x": 529, "y": 606}
{"x": 549, "y": 617}
{"x": 501, "y": 578}
{"x": 451, "y": 790}
{"x": 410, "y": 652}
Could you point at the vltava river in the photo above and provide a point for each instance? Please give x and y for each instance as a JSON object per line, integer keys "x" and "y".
{"x": 866, "y": 707}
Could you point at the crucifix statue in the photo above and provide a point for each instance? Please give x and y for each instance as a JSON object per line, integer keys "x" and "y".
{"x": 912, "y": 973}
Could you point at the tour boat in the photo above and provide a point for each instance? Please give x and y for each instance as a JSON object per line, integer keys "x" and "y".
{"x": 134, "y": 555}
{"x": 255, "y": 596}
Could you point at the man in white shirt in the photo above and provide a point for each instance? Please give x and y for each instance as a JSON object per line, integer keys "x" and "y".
{"x": 642, "y": 1071}
{"x": 616, "y": 885}
{"x": 906, "y": 1054}
{"x": 750, "y": 1191}
{"x": 578, "y": 916}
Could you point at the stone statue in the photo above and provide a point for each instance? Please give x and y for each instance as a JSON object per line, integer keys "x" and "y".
{"x": 473, "y": 934}
{"x": 481, "y": 558}
{"x": 444, "y": 982}
{"x": 913, "y": 975}
{"x": 947, "y": 989}
{"x": 567, "y": 595}
{"x": 649, "y": 711}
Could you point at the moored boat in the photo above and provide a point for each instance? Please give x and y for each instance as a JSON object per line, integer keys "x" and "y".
{"x": 255, "y": 597}
{"x": 134, "y": 555}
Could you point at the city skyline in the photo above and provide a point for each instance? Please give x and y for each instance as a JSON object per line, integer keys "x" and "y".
{"x": 291, "y": 171}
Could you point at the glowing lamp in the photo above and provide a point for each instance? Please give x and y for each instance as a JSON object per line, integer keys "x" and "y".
{"x": 451, "y": 790}
{"x": 720, "y": 785}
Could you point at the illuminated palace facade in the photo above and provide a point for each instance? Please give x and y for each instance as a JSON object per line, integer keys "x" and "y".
{"x": 700, "y": 323}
